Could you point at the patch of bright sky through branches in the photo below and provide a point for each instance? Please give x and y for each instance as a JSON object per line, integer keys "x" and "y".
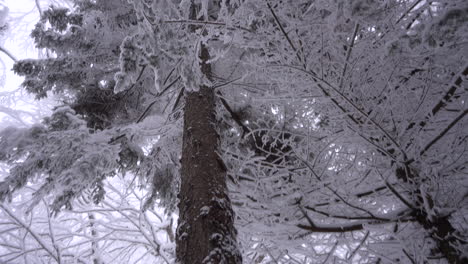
{"x": 19, "y": 16}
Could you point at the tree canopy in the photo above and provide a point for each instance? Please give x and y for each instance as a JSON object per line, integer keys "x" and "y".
{"x": 340, "y": 125}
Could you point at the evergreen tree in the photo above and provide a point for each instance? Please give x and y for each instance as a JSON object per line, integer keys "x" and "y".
{"x": 105, "y": 76}
{"x": 335, "y": 119}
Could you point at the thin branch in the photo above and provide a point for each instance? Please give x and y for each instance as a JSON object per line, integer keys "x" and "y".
{"x": 443, "y": 132}
{"x": 168, "y": 86}
{"x": 353, "y": 206}
{"x": 172, "y": 71}
{"x": 408, "y": 11}
{"x": 372, "y": 216}
{"x": 2, "y": 49}
{"x": 457, "y": 83}
{"x": 409, "y": 257}
{"x": 28, "y": 229}
{"x": 348, "y": 55}
{"x": 357, "y": 195}
{"x": 397, "y": 194}
{"x": 142, "y": 116}
{"x": 225, "y": 83}
{"x": 445, "y": 99}
{"x": 138, "y": 78}
{"x": 314, "y": 228}
{"x": 319, "y": 80}
{"x": 234, "y": 115}
{"x": 152, "y": 242}
{"x": 359, "y": 246}
{"x": 331, "y": 215}
{"x": 51, "y": 233}
{"x": 179, "y": 96}
{"x": 38, "y": 5}
{"x": 331, "y": 252}
{"x": 286, "y": 35}
{"x": 340, "y": 229}
{"x": 197, "y": 22}
{"x": 427, "y": 5}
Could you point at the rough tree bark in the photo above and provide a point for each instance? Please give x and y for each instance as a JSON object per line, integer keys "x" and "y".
{"x": 206, "y": 232}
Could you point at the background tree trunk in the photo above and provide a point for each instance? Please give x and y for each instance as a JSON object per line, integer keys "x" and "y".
{"x": 206, "y": 232}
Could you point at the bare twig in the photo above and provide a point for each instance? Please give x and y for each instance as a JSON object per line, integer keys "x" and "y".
{"x": 320, "y": 81}
{"x": 234, "y": 115}
{"x": 197, "y": 22}
{"x": 397, "y": 194}
{"x": 2, "y": 49}
{"x": 443, "y": 132}
{"x": 359, "y": 246}
{"x": 28, "y": 229}
{"x": 314, "y": 228}
{"x": 38, "y": 5}
{"x": 142, "y": 116}
{"x": 348, "y": 54}
{"x": 286, "y": 35}
{"x": 51, "y": 233}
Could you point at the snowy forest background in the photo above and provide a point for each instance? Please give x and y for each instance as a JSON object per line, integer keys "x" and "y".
{"x": 342, "y": 129}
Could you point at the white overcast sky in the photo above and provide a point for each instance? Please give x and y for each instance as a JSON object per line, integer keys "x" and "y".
{"x": 21, "y": 17}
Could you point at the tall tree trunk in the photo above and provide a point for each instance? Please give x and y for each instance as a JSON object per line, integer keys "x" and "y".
{"x": 206, "y": 232}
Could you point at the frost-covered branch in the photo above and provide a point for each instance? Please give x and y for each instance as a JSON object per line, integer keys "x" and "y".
{"x": 36, "y": 237}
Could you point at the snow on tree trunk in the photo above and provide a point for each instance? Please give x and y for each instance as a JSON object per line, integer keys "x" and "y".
{"x": 206, "y": 232}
